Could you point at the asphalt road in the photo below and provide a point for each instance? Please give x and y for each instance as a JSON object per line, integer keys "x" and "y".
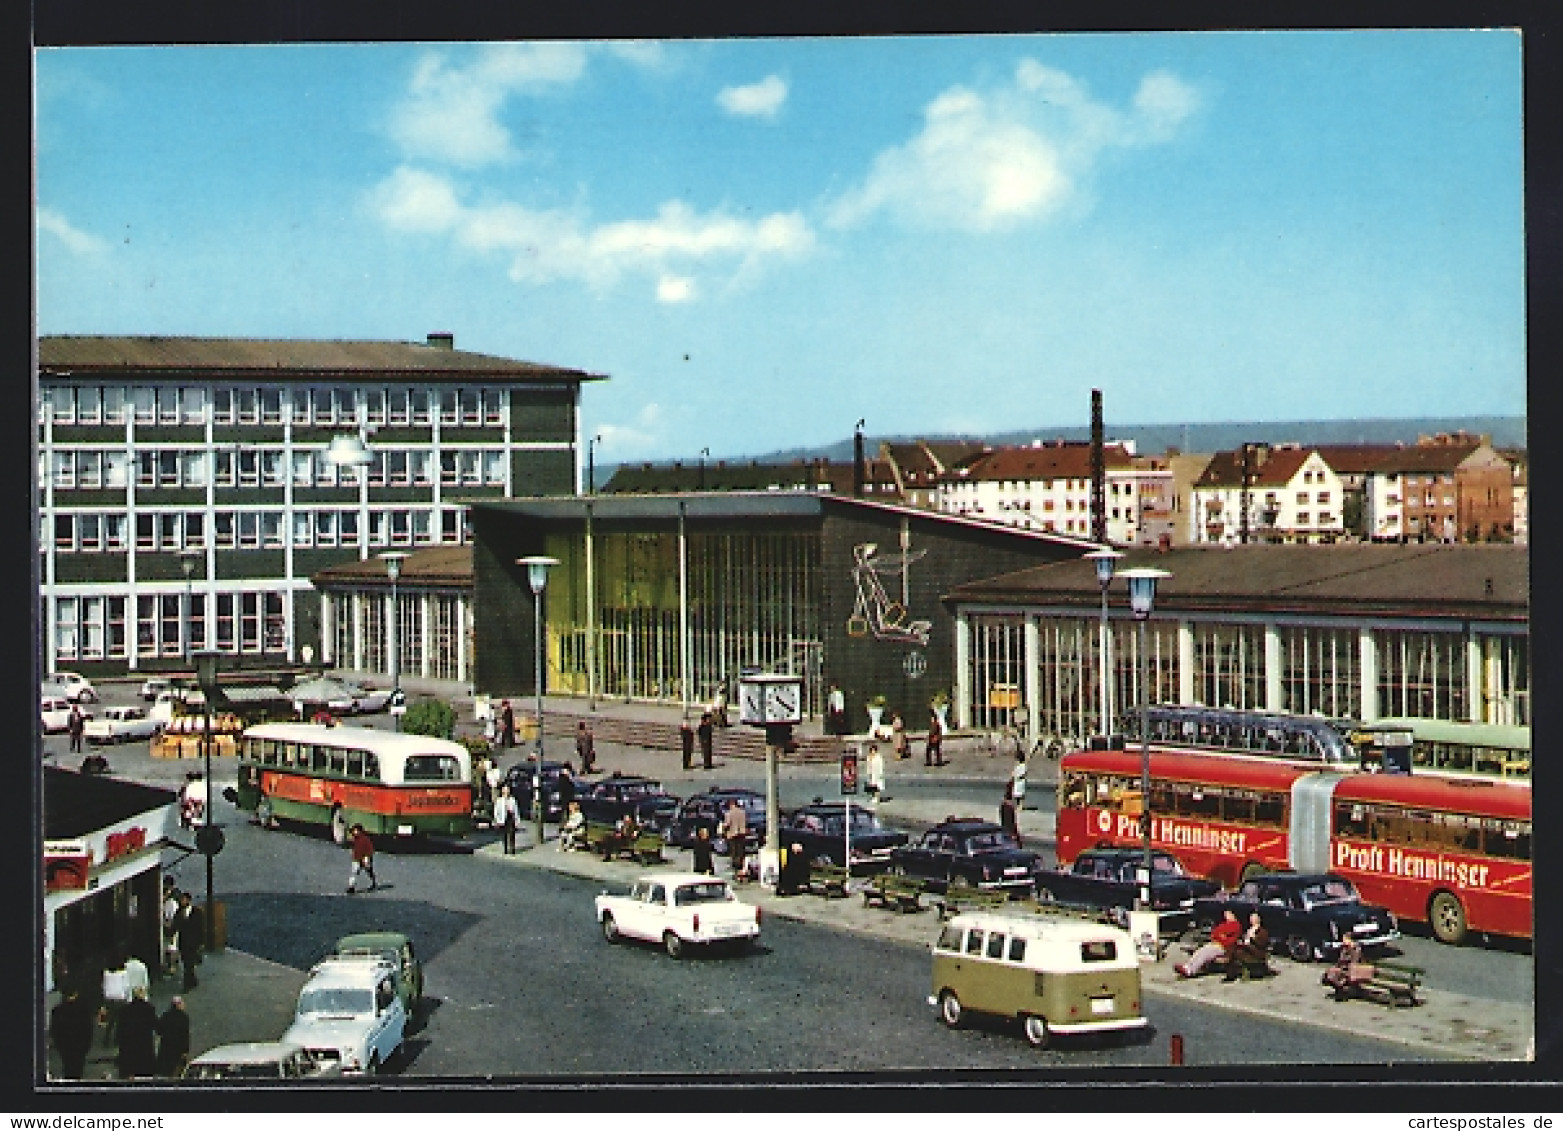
{"x": 521, "y": 985}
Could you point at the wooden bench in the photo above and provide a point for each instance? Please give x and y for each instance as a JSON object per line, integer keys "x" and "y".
{"x": 1393, "y": 984}
{"x": 645, "y": 847}
{"x": 827, "y": 879}
{"x": 957, "y": 899}
{"x": 898, "y": 893}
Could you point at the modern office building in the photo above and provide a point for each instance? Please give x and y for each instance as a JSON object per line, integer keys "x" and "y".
{"x": 189, "y": 487}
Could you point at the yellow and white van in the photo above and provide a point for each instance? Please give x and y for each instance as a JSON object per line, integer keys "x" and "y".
{"x": 1055, "y": 975}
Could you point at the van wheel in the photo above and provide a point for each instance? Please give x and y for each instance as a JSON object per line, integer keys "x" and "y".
{"x": 673, "y": 944}
{"x": 1298, "y": 949}
{"x": 1037, "y": 1032}
{"x": 1446, "y": 917}
{"x": 339, "y": 825}
{"x": 950, "y": 1009}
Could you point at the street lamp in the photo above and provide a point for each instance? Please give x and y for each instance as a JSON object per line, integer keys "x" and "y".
{"x": 208, "y": 838}
{"x": 1105, "y": 558}
{"x": 591, "y": 464}
{"x": 393, "y": 567}
{"x": 537, "y": 567}
{"x": 1142, "y": 599}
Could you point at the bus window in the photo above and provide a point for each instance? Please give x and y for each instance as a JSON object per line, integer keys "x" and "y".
{"x": 430, "y": 767}
{"x": 355, "y": 763}
{"x": 1079, "y": 790}
{"x": 949, "y": 938}
{"x": 319, "y": 759}
{"x": 1238, "y": 805}
{"x": 1102, "y": 950}
{"x": 1192, "y": 800}
{"x": 371, "y": 765}
{"x": 974, "y": 942}
{"x": 338, "y": 760}
{"x": 995, "y": 945}
{"x": 1017, "y": 949}
{"x": 1270, "y": 809}
{"x": 1351, "y": 820}
{"x": 1508, "y": 839}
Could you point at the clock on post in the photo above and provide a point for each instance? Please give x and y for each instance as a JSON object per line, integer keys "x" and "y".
{"x": 765, "y": 699}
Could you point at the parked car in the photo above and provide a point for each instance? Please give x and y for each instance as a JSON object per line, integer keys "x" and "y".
{"x": 820, "y": 828}
{"x": 1307, "y": 915}
{"x": 121, "y": 724}
{"x": 350, "y": 1014}
{"x": 678, "y": 910}
{"x": 1108, "y": 879}
{"x": 393, "y": 947}
{"x": 257, "y": 1060}
{"x": 153, "y": 687}
{"x": 55, "y": 712}
{"x": 337, "y": 696}
{"x": 519, "y": 778}
{"x": 968, "y": 850}
{"x": 69, "y": 685}
{"x": 606, "y": 800}
{"x": 707, "y": 811}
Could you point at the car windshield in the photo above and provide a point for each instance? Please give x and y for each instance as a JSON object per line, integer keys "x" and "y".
{"x": 1328, "y": 891}
{"x": 1166, "y": 866}
{"x": 990, "y": 841}
{"x": 715, "y": 892}
{"x": 343, "y": 1001}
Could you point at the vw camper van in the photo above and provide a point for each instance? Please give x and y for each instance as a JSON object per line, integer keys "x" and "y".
{"x": 1055, "y": 975}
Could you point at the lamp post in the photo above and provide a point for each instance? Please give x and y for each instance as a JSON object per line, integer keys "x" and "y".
{"x": 208, "y": 838}
{"x": 1105, "y": 559}
{"x": 537, "y": 567}
{"x": 393, "y": 632}
{"x": 1142, "y": 599}
{"x": 591, "y": 464}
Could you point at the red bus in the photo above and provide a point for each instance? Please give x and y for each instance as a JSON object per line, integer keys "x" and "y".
{"x": 397, "y": 784}
{"x": 1454, "y": 853}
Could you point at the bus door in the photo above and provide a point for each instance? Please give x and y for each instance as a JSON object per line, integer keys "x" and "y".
{"x": 1310, "y": 822}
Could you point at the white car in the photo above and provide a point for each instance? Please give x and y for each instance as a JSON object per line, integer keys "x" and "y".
{"x": 678, "y": 910}
{"x": 69, "y": 685}
{"x": 122, "y": 724}
{"x": 154, "y": 687}
{"x": 55, "y": 711}
{"x": 256, "y": 1060}
{"x": 350, "y": 1015}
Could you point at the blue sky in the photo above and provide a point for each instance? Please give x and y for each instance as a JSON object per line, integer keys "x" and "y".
{"x": 761, "y": 241}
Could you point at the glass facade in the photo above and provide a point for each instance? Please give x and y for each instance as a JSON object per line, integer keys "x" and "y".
{"x": 1422, "y": 675}
{"x": 1322, "y": 671}
{"x": 751, "y": 601}
{"x": 1229, "y": 665}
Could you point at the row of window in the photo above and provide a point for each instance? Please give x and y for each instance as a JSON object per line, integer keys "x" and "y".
{"x": 176, "y": 531}
{"x": 455, "y": 406}
{"x": 94, "y": 469}
{"x": 347, "y": 762}
{"x": 96, "y": 628}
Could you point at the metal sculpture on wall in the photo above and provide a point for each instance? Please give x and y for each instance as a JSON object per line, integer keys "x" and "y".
{"x": 873, "y": 610}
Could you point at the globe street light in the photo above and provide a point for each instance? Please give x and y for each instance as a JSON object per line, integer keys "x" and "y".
{"x": 1142, "y": 599}
{"x": 537, "y": 567}
{"x": 393, "y": 566}
{"x": 1105, "y": 559}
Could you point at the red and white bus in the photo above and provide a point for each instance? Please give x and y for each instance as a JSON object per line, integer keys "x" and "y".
{"x": 396, "y": 784}
{"x": 1454, "y": 853}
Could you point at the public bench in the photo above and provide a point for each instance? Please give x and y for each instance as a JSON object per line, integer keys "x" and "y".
{"x": 1393, "y": 984}
{"x": 645, "y": 847}
{"x": 958, "y": 898}
{"x": 827, "y": 879}
{"x": 898, "y": 893}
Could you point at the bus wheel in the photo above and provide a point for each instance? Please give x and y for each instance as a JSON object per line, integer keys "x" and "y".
{"x": 339, "y": 825}
{"x": 1252, "y": 869}
{"x": 263, "y": 813}
{"x": 1446, "y": 917}
{"x": 950, "y": 1009}
{"x": 1037, "y": 1033}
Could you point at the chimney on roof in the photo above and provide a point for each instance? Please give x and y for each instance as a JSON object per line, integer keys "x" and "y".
{"x": 442, "y": 340}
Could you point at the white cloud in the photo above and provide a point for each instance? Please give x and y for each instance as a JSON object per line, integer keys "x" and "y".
{"x": 74, "y": 239}
{"x": 452, "y": 112}
{"x": 546, "y": 245}
{"x": 640, "y": 438}
{"x": 757, "y": 100}
{"x": 990, "y": 160}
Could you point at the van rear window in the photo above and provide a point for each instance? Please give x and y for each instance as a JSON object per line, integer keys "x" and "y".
{"x": 1098, "y": 950}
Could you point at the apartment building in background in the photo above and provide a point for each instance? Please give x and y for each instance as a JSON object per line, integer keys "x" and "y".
{"x": 187, "y": 490}
{"x": 1260, "y": 493}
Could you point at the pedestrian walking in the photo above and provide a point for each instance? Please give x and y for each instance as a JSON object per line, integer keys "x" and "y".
{"x": 173, "y": 1038}
{"x": 137, "y": 977}
{"x": 934, "y": 755}
{"x": 1009, "y": 817}
{"x": 507, "y": 816}
{"x": 707, "y": 733}
{"x": 686, "y": 743}
{"x": 192, "y": 939}
{"x": 362, "y": 848}
{"x": 836, "y": 711}
{"x": 585, "y": 747}
{"x": 116, "y": 995}
{"x": 1017, "y": 779}
{"x": 170, "y": 926}
{"x": 507, "y": 724}
{"x": 874, "y": 774}
{"x": 702, "y": 850}
{"x": 137, "y": 1038}
{"x": 480, "y": 773}
{"x": 76, "y": 727}
{"x": 70, "y": 1032}
{"x": 493, "y": 778}
{"x": 735, "y": 829}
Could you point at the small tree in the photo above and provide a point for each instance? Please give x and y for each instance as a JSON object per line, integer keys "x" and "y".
{"x": 433, "y": 717}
